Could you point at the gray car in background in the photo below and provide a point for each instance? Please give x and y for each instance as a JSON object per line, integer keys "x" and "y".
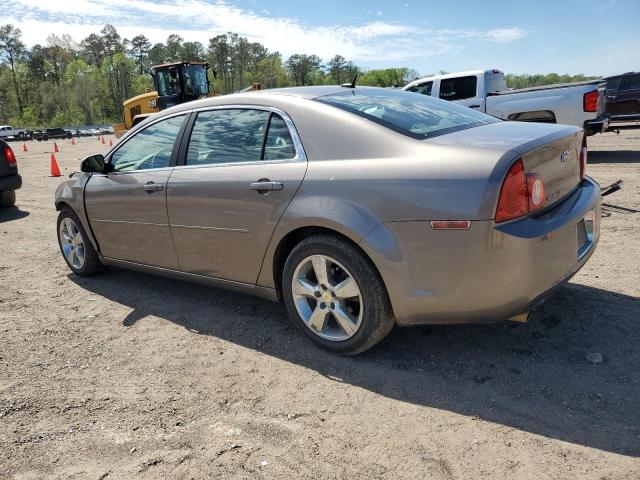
{"x": 359, "y": 208}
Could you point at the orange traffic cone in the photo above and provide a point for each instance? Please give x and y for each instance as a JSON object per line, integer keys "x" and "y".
{"x": 55, "y": 170}
{"x": 110, "y": 143}
{"x": 103, "y": 142}
{"x": 24, "y": 147}
{"x": 55, "y": 147}
{"x": 99, "y": 138}
{"x": 73, "y": 141}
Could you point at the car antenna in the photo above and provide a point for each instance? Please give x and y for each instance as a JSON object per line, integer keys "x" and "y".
{"x": 352, "y": 84}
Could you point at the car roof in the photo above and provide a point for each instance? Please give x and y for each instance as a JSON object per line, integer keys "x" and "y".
{"x": 307, "y": 92}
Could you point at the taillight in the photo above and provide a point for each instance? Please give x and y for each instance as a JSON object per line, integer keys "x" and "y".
{"x": 10, "y": 156}
{"x": 583, "y": 157}
{"x": 520, "y": 195}
{"x": 535, "y": 189}
{"x": 590, "y": 101}
{"x": 513, "y": 196}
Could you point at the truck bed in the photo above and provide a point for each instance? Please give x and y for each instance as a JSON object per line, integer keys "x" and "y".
{"x": 546, "y": 87}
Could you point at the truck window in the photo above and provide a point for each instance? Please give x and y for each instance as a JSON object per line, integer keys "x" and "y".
{"x": 613, "y": 83}
{"x": 458, "y": 88}
{"x": 423, "y": 88}
{"x": 634, "y": 83}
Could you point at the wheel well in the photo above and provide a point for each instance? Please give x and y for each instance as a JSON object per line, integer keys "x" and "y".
{"x": 293, "y": 238}
{"x": 61, "y": 205}
{"x": 543, "y": 116}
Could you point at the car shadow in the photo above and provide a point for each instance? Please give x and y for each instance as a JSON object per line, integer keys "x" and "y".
{"x": 12, "y": 213}
{"x": 572, "y": 373}
{"x": 613, "y": 156}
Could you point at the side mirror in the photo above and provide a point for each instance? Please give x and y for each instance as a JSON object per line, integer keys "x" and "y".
{"x": 93, "y": 164}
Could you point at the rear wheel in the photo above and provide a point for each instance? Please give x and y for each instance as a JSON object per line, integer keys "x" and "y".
{"x": 75, "y": 245}
{"x": 7, "y": 198}
{"x": 335, "y": 295}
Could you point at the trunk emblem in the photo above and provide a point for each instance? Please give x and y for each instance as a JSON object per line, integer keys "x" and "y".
{"x": 564, "y": 157}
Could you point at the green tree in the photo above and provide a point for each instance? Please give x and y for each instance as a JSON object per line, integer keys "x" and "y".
{"x": 12, "y": 49}
{"x": 302, "y": 67}
{"x": 138, "y": 48}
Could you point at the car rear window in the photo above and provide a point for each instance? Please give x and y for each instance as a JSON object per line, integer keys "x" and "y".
{"x": 415, "y": 115}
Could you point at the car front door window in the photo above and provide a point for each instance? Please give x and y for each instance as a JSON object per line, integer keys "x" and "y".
{"x": 149, "y": 148}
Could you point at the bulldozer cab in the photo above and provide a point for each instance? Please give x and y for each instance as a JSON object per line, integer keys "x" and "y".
{"x": 180, "y": 82}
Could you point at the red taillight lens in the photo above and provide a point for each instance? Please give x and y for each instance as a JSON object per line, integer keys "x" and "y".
{"x": 583, "y": 157}
{"x": 10, "y": 156}
{"x": 590, "y": 101}
{"x": 513, "y": 202}
{"x": 535, "y": 189}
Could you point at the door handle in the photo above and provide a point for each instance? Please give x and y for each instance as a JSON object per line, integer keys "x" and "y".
{"x": 611, "y": 97}
{"x": 266, "y": 185}
{"x": 474, "y": 106}
{"x": 151, "y": 187}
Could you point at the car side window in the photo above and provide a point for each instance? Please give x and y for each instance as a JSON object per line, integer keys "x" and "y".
{"x": 458, "y": 88}
{"x": 279, "y": 144}
{"x": 227, "y": 136}
{"x": 149, "y": 148}
{"x": 423, "y": 88}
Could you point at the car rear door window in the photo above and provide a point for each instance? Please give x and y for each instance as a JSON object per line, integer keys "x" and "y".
{"x": 238, "y": 135}
{"x": 227, "y": 136}
{"x": 279, "y": 144}
{"x": 423, "y": 88}
{"x": 458, "y": 88}
{"x": 149, "y": 148}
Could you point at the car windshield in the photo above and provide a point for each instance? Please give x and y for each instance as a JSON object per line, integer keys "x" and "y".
{"x": 412, "y": 114}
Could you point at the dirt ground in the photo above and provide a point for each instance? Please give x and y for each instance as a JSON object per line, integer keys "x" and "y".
{"x": 128, "y": 375}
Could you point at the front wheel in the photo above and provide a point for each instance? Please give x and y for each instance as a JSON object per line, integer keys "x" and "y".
{"x": 75, "y": 245}
{"x": 335, "y": 295}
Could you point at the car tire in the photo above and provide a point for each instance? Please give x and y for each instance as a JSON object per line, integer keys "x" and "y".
{"x": 370, "y": 314}
{"x": 7, "y": 198}
{"x": 86, "y": 263}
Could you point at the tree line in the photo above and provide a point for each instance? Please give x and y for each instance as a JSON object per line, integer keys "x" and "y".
{"x": 66, "y": 83}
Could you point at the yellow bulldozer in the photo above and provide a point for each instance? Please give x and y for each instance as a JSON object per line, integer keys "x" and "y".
{"x": 174, "y": 83}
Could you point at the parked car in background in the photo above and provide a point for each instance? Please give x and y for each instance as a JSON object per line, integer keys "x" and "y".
{"x": 10, "y": 180}
{"x": 94, "y": 131}
{"x": 623, "y": 97}
{"x": 51, "y": 133}
{"x": 581, "y": 103}
{"x": 9, "y": 133}
{"x": 359, "y": 207}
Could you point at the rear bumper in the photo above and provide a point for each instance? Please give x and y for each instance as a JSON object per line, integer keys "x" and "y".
{"x": 12, "y": 182}
{"x": 597, "y": 125}
{"x": 486, "y": 273}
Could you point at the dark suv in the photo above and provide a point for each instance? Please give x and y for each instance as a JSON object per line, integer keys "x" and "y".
{"x": 51, "y": 133}
{"x": 10, "y": 181}
{"x": 623, "y": 97}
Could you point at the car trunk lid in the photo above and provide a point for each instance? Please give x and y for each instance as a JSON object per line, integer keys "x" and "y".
{"x": 557, "y": 163}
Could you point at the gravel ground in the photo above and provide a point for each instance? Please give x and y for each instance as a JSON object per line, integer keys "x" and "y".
{"x": 128, "y": 375}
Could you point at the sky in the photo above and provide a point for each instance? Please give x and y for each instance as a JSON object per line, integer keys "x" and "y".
{"x": 594, "y": 37}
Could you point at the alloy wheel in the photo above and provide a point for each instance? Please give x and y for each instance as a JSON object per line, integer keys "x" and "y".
{"x": 72, "y": 243}
{"x": 327, "y": 298}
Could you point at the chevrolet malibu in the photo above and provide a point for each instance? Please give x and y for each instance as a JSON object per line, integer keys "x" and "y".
{"x": 359, "y": 208}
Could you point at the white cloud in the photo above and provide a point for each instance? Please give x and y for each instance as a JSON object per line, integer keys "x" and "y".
{"x": 199, "y": 20}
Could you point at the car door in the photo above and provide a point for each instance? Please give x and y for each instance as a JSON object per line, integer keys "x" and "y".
{"x": 241, "y": 168}
{"x": 127, "y": 208}
{"x": 626, "y": 99}
{"x": 462, "y": 90}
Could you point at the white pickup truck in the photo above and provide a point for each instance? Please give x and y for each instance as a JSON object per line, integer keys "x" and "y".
{"x": 581, "y": 104}
{"x": 9, "y": 133}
